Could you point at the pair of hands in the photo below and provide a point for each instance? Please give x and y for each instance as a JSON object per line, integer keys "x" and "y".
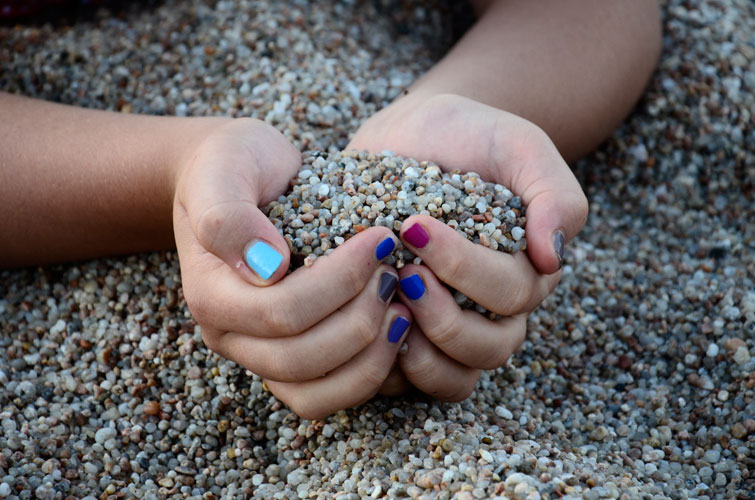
{"x": 322, "y": 337}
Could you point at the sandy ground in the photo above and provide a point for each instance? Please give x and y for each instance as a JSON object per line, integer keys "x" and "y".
{"x": 636, "y": 379}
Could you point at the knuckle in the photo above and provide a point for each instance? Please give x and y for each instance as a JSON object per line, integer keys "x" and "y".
{"x": 199, "y": 306}
{"x": 283, "y": 366}
{"x": 306, "y": 408}
{"x": 364, "y": 329}
{"x": 420, "y": 368}
{"x": 355, "y": 278}
{"x": 454, "y": 271}
{"x": 446, "y": 332}
{"x": 373, "y": 376}
{"x": 282, "y": 318}
{"x": 211, "y": 341}
{"x": 496, "y": 358}
{"x": 516, "y": 296}
{"x": 461, "y": 390}
{"x": 209, "y": 226}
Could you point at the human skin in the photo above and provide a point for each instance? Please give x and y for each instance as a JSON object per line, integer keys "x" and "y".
{"x": 530, "y": 85}
{"x": 82, "y": 184}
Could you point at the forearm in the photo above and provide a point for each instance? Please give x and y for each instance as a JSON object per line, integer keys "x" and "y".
{"x": 80, "y": 183}
{"x": 573, "y": 68}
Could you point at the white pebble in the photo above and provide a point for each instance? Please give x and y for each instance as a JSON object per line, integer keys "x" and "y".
{"x": 503, "y": 413}
{"x": 742, "y": 355}
{"x": 517, "y": 233}
{"x": 712, "y": 351}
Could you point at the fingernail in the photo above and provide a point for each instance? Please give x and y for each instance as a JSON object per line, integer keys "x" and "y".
{"x": 416, "y": 236}
{"x": 413, "y": 286}
{"x": 397, "y": 329}
{"x": 385, "y": 248}
{"x": 387, "y": 286}
{"x": 263, "y": 259}
{"x": 558, "y": 246}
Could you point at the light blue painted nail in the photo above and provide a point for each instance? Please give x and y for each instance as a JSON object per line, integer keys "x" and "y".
{"x": 263, "y": 259}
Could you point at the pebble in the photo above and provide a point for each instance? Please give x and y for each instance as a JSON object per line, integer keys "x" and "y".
{"x": 741, "y": 355}
{"x": 622, "y": 350}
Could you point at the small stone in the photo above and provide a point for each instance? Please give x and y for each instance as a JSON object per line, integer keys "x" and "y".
{"x": 503, "y": 413}
{"x": 712, "y": 456}
{"x": 723, "y": 395}
{"x": 738, "y": 430}
{"x": 741, "y": 355}
{"x": 599, "y": 433}
{"x": 712, "y": 351}
{"x": 733, "y": 344}
{"x": 152, "y": 408}
{"x": 166, "y": 482}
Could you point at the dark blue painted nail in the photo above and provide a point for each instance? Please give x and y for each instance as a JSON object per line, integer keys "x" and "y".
{"x": 398, "y": 328}
{"x": 385, "y": 248}
{"x": 387, "y": 285}
{"x": 413, "y": 286}
{"x": 558, "y": 246}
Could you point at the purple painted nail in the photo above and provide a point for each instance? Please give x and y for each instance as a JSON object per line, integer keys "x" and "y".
{"x": 417, "y": 236}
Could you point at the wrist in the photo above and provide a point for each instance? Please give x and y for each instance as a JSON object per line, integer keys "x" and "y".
{"x": 186, "y": 138}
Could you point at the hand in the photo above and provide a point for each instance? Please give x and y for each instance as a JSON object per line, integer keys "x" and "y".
{"x": 448, "y": 346}
{"x": 324, "y": 337}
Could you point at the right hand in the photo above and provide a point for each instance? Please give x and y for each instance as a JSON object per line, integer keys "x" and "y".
{"x": 319, "y": 336}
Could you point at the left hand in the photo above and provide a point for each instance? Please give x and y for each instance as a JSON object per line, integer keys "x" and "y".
{"x": 449, "y": 346}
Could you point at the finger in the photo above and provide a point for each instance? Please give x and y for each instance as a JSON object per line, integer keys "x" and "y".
{"x": 354, "y": 382}
{"x": 432, "y": 372}
{"x": 503, "y": 148}
{"x": 500, "y": 282}
{"x": 466, "y": 336}
{"x": 223, "y": 210}
{"x": 556, "y": 211}
{"x": 325, "y": 346}
{"x": 396, "y": 383}
{"x": 292, "y": 305}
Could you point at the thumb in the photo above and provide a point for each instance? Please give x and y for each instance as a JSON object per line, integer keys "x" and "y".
{"x": 222, "y": 191}
{"x": 242, "y": 236}
{"x": 556, "y": 211}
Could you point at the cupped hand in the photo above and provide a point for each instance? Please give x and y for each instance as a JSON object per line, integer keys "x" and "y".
{"x": 449, "y": 346}
{"x": 323, "y": 337}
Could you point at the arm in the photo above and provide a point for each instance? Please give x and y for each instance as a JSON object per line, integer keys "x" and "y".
{"x": 530, "y": 84}
{"x": 80, "y": 183}
{"x": 83, "y": 183}
{"x": 574, "y": 68}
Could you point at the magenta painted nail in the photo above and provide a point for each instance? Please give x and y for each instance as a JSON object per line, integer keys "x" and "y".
{"x": 416, "y": 236}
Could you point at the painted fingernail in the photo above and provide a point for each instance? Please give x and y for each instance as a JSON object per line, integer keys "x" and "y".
{"x": 387, "y": 286}
{"x": 416, "y": 236}
{"x": 558, "y": 246}
{"x": 413, "y": 287}
{"x": 385, "y": 248}
{"x": 263, "y": 259}
{"x": 397, "y": 329}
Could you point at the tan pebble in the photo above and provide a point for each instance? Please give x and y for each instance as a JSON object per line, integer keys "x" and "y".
{"x": 749, "y": 425}
{"x": 733, "y": 344}
{"x": 738, "y": 430}
{"x": 166, "y": 482}
{"x": 194, "y": 373}
{"x": 223, "y": 426}
{"x": 152, "y": 408}
{"x": 308, "y": 217}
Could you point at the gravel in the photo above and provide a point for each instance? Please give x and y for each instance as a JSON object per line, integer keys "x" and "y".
{"x": 617, "y": 391}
